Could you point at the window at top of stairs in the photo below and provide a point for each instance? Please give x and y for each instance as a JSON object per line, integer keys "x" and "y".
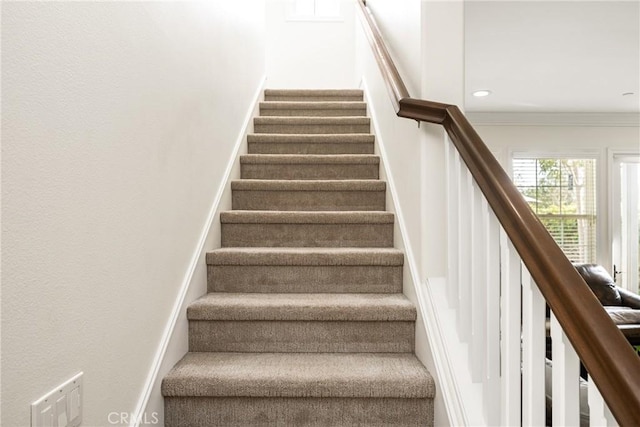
{"x": 315, "y": 10}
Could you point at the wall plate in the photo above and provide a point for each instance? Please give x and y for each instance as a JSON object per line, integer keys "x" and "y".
{"x": 61, "y": 407}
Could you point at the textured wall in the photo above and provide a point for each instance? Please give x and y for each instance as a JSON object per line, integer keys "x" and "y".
{"x": 118, "y": 120}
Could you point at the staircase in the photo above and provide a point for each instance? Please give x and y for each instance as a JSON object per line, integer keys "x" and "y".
{"x": 305, "y": 322}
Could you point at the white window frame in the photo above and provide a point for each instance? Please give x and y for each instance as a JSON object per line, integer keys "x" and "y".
{"x": 293, "y": 17}
{"x": 602, "y": 211}
{"x": 613, "y": 226}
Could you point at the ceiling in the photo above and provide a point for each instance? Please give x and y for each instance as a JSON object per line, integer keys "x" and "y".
{"x": 553, "y": 56}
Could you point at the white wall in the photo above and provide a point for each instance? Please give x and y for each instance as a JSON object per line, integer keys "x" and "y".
{"x": 118, "y": 121}
{"x": 310, "y": 54}
{"x": 425, "y": 38}
{"x": 400, "y": 25}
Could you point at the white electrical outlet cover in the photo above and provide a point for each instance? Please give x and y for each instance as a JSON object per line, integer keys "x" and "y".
{"x": 61, "y": 407}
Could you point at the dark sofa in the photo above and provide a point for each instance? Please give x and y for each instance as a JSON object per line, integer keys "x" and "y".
{"x": 623, "y": 306}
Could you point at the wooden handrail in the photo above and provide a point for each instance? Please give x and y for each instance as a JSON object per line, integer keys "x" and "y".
{"x": 602, "y": 348}
{"x": 395, "y": 85}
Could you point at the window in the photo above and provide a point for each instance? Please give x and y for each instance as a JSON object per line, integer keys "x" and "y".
{"x": 316, "y": 9}
{"x": 562, "y": 192}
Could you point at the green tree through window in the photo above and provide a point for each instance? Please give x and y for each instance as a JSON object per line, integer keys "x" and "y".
{"x": 562, "y": 193}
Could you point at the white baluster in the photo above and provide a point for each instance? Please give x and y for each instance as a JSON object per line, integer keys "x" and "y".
{"x": 464, "y": 255}
{"x": 599, "y": 413}
{"x": 492, "y": 365}
{"x": 510, "y": 332}
{"x": 533, "y": 352}
{"x": 479, "y": 225}
{"x": 565, "y": 378}
{"x": 453, "y": 213}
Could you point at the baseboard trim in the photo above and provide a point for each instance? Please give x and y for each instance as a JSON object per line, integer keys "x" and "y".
{"x": 454, "y": 401}
{"x": 444, "y": 370}
{"x": 197, "y": 256}
{"x": 458, "y": 373}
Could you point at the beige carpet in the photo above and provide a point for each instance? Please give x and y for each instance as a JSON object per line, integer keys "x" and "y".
{"x": 305, "y": 323}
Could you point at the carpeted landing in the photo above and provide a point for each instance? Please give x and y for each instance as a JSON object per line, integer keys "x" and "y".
{"x": 305, "y": 323}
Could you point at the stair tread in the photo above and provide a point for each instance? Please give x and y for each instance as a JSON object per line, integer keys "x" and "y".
{"x": 298, "y": 120}
{"x": 293, "y": 159}
{"x": 307, "y": 306}
{"x": 306, "y": 217}
{"x": 313, "y": 92}
{"x": 316, "y": 256}
{"x": 365, "y": 375}
{"x": 313, "y": 105}
{"x": 309, "y": 185}
{"x": 311, "y": 138}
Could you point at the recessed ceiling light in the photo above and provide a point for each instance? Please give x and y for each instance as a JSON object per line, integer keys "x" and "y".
{"x": 628, "y": 94}
{"x": 481, "y": 93}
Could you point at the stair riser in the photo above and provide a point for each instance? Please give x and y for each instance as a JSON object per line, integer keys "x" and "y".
{"x": 315, "y": 112}
{"x": 287, "y": 411}
{"x": 301, "y": 336}
{"x": 304, "y": 278}
{"x": 309, "y": 171}
{"x": 310, "y": 148}
{"x": 310, "y": 128}
{"x": 309, "y": 200}
{"x": 307, "y": 235}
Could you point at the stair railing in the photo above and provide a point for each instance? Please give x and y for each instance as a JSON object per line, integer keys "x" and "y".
{"x": 507, "y": 335}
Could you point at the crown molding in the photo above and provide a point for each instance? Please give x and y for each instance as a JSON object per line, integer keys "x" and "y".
{"x": 554, "y": 119}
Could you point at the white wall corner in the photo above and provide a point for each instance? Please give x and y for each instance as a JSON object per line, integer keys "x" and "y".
{"x": 438, "y": 361}
{"x": 174, "y": 341}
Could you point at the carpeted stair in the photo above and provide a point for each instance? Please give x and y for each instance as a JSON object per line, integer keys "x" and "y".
{"x": 305, "y": 323}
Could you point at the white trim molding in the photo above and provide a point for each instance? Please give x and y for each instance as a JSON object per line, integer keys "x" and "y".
{"x": 613, "y": 231}
{"x": 554, "y": 119}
